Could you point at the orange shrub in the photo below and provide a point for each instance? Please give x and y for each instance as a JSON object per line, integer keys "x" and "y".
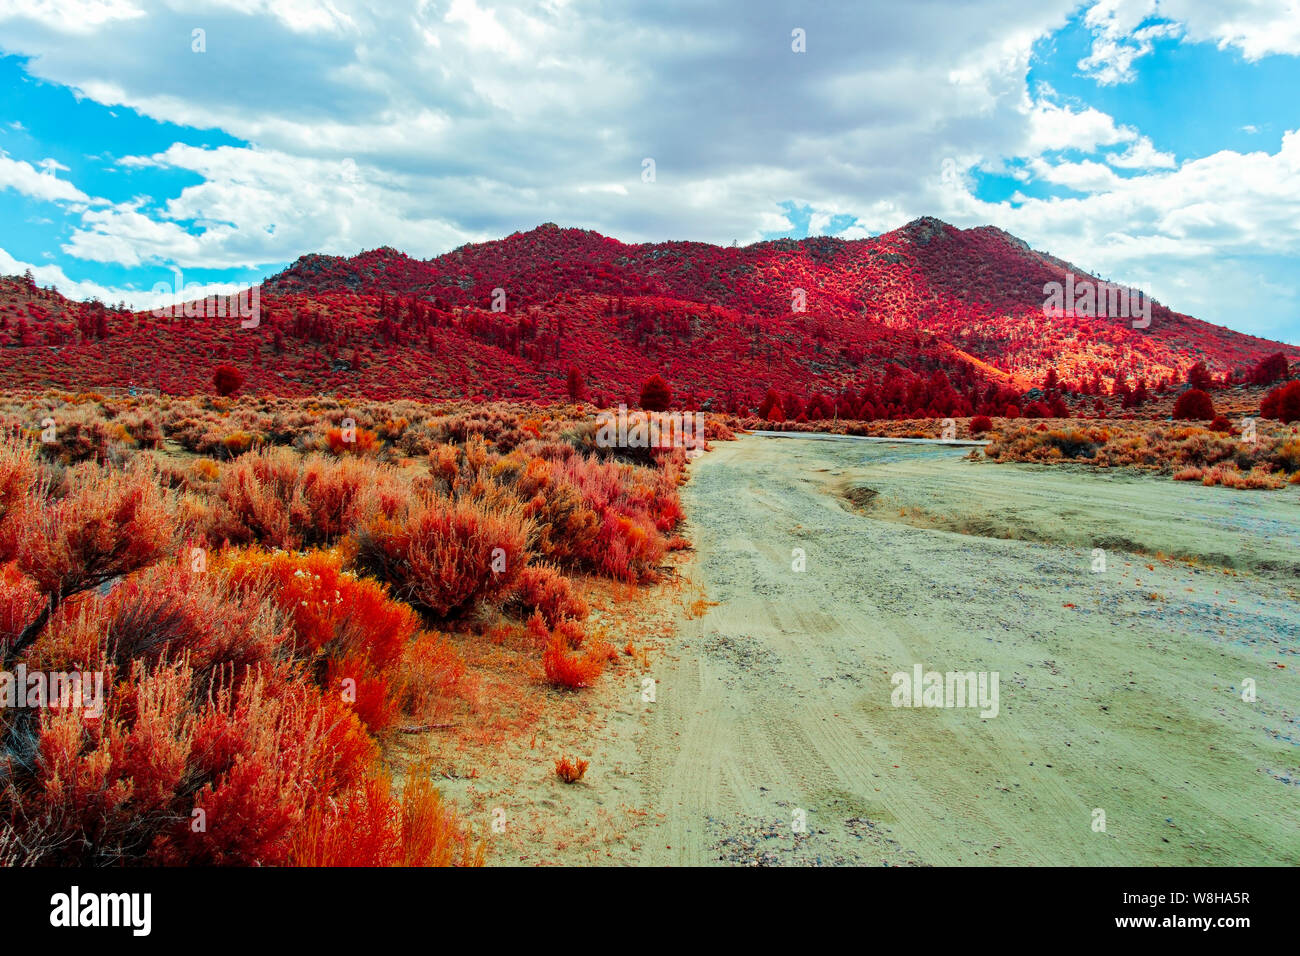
{"x": 372, "y": 828}
{"x": 18, "y": 471}
{"x": 542, "y": 588}
{"x": 344, "y": 627}
{"x": 431, "y": 676}
{"x": 170, "y": 776}
{"x": 363, "y": 442}
{"x": 570, "y": 771}
{"x": 564, "y": 666}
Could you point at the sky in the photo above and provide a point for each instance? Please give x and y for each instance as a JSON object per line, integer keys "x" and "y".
{"x": 1154, "y": 142}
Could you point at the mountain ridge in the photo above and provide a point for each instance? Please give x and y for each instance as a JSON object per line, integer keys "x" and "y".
{"x": 510, "y": 316}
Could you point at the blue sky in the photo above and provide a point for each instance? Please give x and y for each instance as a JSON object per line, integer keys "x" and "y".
{"x": 1158, "y": 145}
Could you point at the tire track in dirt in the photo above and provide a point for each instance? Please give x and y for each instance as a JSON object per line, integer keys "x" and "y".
{"x": 778, "y": 699}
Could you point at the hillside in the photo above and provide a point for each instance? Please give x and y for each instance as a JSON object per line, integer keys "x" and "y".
{"x": 889, "y": 313}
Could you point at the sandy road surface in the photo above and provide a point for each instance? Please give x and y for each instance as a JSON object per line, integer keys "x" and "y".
{"x": 1119, "y": 691}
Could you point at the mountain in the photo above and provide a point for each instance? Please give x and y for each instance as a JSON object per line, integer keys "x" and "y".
{"x": 721, "y": 324}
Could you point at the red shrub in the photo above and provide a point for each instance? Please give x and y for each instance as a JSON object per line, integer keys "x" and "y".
{"x": 1269, "y": 370}
{"x": 656, "y": 395}
{"x": 164, "y": 613}
{"x": 20, "y": 602}
{"x": 1198, "y": 377}
{"x": 1282, "y": 403}
{"x": 106, "y": 524}
{"x": 566, "y": 668}
{"x": 344, "y": 627}
{"x": 227, "y": 379}
{"x": 1194, "y": 405}
{"x": 125, "y": 788}
{"x": 541, "y": 588}
{"x": 980, "y": 424}
{"x": 446, "y": 556}
{"x": 278, "y": 500}
{"x": 634, "y": 506}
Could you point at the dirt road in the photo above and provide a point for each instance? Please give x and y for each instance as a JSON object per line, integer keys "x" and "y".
{"x": 1121, "y": 735}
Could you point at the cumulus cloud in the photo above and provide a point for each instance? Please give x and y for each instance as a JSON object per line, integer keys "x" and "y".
{"x": 40, "y": 184}
{"x": 424, "y": 124}
{"x": 1124, "y": 31}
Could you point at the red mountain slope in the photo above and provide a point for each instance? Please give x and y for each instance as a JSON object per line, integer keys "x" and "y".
{"x": 717, "y": 322}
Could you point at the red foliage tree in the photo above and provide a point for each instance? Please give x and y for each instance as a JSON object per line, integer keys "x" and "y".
{"x": 574, "y": 385}
{"x": 1198, "y": 376}
{"x": 227, "y": 380}
{"x": 1282, "y": 403}
{"x": 656, "y": 395}
{"x": 1269, "y": 370}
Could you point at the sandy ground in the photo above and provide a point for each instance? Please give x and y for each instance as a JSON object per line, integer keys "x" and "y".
{"x": 1120, "y": 691}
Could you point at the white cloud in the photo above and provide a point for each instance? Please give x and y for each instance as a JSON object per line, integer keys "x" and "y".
{"x": 70, "y": 16}
{"x": 424, "y": 124}
{"x": 1141, "y": 154}
{"x": 1124, "y": 31}
{"x": 25, "y": 179}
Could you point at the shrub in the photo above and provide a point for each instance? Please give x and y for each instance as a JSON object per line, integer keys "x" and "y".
{"x": 165, "y": 613}
{"x": 980, "y": 424}
{"x": 634, "y": 506}
{"x": 227, "y": 380}
{"x": 1193, "y": 405}
{"x": 1269, "y": 370}
{"x": 565, "y": 665}
{"x": 543, "y": 589}
{"x": 20, "y": 602}
{"x": 1287, "y": 454}
{"x": 431, "y": 678}
{"x": 127, "y": 788}
{"x": 81, "y": 434}
{"x": 344, "y": 628}
{"x": 1221, "y": 424}
{"x": 1282, "y": 403}
{"x": 570, "y": 771}
{"x": 278, "y": 500}
{"x": 18, "y": 472}
{"x": 373, "y": 828}
{"x": 565, "y": 527}
{"x": 1198, "y": 377}
{"x": 356, "y": 441}
{"x": 656, "y": 396}
{"x": 445, "y": 556}
{"x": 107, "y": 524}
